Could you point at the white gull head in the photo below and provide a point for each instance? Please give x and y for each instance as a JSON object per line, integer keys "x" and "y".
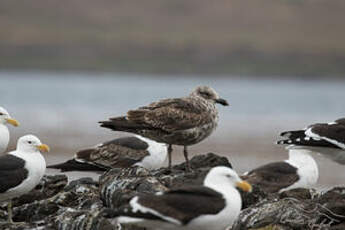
{"x": 5, "y": 119}
{"x": 31, "y": 144}
{"x": 222, "y": 177}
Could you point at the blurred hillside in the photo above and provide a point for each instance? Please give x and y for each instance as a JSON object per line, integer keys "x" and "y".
{"x": 302, "y": 37}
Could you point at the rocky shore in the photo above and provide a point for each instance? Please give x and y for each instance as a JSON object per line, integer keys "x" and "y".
{"x": 55, "y": 204}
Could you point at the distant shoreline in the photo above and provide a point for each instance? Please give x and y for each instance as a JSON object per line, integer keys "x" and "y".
{"x": 258, "y": 65}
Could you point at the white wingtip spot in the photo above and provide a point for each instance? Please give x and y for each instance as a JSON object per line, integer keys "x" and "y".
{"x": 298, "y": 139}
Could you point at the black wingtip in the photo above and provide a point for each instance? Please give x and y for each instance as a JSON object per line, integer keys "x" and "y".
{"x": 106, "y": 124}
{"x": 73, "y": 165}
{"x": 285, "y": 134}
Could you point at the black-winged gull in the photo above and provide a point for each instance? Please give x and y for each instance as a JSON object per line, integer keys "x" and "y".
{"x": 21, "y": 170}
{"x": 215, "y": 205}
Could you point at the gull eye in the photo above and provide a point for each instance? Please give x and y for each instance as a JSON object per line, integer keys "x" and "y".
{"x": 228, "y": 175}
{"x": 207, "y": 94}
{"x": 1, "y": 113}
{"x": 30, "y": 142}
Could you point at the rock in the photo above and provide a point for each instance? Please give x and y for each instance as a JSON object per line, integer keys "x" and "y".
{"x": 48, "y": 187}
{"x": 54, "y": 205}
{"x": 299, "y": 193}
{"x": 74, "y": 219}
{"x": 296, "y": 209}
{"x": 257, "y": 195}
{"x": 208, "y": 160}
{"x": 333, "y": 203}
{"x": 28, "y": 207}
{"x": 23, "y": 226}
{"x": 118, "y": 187}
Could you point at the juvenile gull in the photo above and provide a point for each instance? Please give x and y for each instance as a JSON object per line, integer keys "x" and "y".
{"x": 21, "y": 170}
{"x": 215, "y": 205}
{"x": 328, "y": 139}
{"x": 5, "y": 118}
{"x": 179, "y": 121}
{"x": 299, "y": 171}
{"x": 118, "y": 153}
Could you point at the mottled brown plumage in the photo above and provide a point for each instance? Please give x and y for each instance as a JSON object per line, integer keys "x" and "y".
{"x": 122, "y": 152}
{"x": 114, "y": 155}
{"x": 180, "y": 121}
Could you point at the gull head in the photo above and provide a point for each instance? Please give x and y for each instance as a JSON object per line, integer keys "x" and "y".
{"x": 5, "y": 118}
{"x": 31, "y": 143}
{"x": 222, "y": 176}
{"x": 209, "y": 94}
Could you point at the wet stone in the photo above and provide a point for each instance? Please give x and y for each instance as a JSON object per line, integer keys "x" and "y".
{"x": 54, "y": 204}
{"x": 48, "y": 187}
{"x": 296, "y": 209}
{"x": 74, "y": 219}
{"x": 117, "y": 188}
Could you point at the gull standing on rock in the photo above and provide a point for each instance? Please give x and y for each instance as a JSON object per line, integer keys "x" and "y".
{"x": 21, "y": 170}
{"x": 213, "y": 206}
{"x": 5, "y": 118}
{"x": 179, "y": 121}
{"x": 121, "y": 152}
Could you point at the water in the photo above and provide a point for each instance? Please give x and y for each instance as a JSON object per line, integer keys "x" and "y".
{"x": 64, "y": 108}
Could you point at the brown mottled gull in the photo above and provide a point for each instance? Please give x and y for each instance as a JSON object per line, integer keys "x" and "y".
{"x": 121, "y": 152}
{"x": 179, "y": 121}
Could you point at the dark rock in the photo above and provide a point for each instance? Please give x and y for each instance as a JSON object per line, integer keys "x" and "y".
{"x": 29, "y": 206}
{"x": 298, "y": 193}
{"x": 74, "y": 219}
{"x": 34, "y": 211}
{"x": 208, "y": 160}
{"x": 288, "y": 212}
{"x": 118, "y": 187}
{"x": 333, "y": 202}
{"x": 23, "y": 226}
{"x": 48, "y": 187}
{"x": 250, "y": 198}
{"x": 80, "y": 204}
{"x": 296, "y": 209}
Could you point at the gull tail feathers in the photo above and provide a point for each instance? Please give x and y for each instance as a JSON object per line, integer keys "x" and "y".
{"x": 123, "y": 124}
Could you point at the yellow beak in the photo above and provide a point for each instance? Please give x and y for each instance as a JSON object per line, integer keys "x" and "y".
{"x": 244, "y": 185}
{"x": 43, "y": 148}
{"x": 13, "y": 122}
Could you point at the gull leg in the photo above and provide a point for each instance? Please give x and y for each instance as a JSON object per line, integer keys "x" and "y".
{"x": 169, "y": 156}
{"x": 9, "y": 211}
{"x": 185, "y": 152}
